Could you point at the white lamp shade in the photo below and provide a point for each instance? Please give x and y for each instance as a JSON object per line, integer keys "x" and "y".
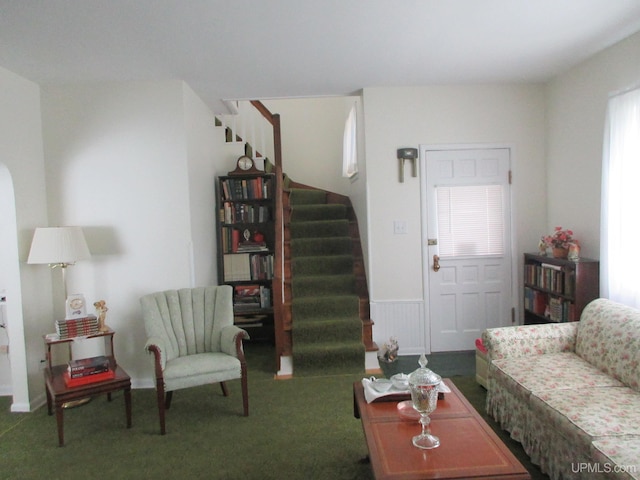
{"x": 58, "y": 245}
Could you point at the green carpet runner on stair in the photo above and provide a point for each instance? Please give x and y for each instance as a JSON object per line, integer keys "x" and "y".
{"x": 327, "y": 330}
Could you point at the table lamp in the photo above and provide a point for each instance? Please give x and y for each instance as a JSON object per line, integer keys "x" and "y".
{"x": 58, "y": 247}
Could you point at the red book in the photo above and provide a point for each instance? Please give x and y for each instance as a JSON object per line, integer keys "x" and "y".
{"x": 235, "y": 240}
{"x": 98, "y": 377}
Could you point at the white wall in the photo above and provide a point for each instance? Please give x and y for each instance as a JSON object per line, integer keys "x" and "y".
{"x": 28, "y": 287}
{"x": 408, "y": 117}
{"x": 120, "y": 164}
{"x": 312, "y": 130}
{"x": 206, "y": 159}
{"x": 577, "y": 103}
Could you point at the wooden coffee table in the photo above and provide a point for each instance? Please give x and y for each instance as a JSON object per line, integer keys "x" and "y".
{"x": 469, "y": 448}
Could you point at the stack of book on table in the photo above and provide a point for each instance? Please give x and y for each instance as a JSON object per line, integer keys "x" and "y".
{"x": 77, "y": 327}
{"x": 88, "y": 370}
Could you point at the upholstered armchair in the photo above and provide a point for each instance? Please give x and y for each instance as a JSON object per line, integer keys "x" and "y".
{"x": 194, "y": 341}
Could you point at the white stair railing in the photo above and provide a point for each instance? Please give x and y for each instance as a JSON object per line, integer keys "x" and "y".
{"x": 248, "y": 125}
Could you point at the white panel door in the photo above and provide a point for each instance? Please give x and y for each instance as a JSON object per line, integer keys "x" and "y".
{"x": 467, "y": 245}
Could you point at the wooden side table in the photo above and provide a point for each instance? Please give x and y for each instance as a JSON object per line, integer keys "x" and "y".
{"x": 58, "y": 393}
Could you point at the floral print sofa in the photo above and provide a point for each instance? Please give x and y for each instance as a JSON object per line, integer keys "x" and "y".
{"x": 570, "y": 392}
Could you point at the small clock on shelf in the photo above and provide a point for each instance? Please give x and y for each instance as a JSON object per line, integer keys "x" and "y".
{"x": 245, "y": 165}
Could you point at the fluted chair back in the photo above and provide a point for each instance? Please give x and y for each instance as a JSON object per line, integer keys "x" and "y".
{"x": 194, "y": 341}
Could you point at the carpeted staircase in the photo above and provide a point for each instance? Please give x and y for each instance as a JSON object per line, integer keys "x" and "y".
{"x": 326, "y": 327}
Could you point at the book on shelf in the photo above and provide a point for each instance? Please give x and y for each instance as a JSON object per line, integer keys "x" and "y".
{"x": 77, "y": 327}
{"x": 251, "y": 297}
{"x": 232, "y": 212}
{"x": 237, "y": 267}
{"x": 252, "y": 247}
{"x": 255, "y": 188}
{"x": 547, "y": 276}
{"x": 88, "y": 366}
{"x": 250, "y": 321}
{"x": 555, "y": 309}
{"x": 86, "y": 380}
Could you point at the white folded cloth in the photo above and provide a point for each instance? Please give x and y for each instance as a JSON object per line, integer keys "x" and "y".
{"x": 371, "y": 394}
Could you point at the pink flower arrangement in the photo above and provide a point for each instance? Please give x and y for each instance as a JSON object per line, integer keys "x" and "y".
{"x": 559, "y": 239}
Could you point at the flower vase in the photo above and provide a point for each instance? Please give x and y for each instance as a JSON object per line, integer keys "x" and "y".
{"x": 560, "y": 252}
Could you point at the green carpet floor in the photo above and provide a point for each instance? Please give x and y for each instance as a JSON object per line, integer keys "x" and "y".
{"x": 327, "y": 330}
{"x": 301, "y": 428}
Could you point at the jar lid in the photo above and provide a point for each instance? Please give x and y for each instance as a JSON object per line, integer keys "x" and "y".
{"x": 424, "y": 376}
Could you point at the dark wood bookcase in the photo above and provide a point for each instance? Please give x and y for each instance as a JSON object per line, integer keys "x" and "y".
{"x": 557, "y": 290}
{"x": 246, "y": 243}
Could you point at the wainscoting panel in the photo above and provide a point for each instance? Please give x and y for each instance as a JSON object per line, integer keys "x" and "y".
{"x": 404, "y": 320}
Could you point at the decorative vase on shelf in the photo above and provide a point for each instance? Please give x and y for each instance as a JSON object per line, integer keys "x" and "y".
{"x": 560, "y": 252}
{"x": 574, "y": 252}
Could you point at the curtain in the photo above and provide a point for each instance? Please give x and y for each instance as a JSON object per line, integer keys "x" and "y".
{"x": 620, "y": 222}
{"x": 350, "y": 145}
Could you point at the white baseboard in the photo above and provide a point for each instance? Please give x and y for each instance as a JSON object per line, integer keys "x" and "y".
{"x": 286, "y": 367}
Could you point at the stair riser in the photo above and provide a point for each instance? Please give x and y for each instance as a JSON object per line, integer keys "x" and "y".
{"x": 320, "y": 331}
{"x": 324, "y": 285}
{"x": 305, "y": 213}
{"x": 306, "y": 197}
{"x": 322, "y": 266}
{"x": 319, "y": 229}
{"x": 346, "y": 357}
{"x": 313, "y": 246}
{"x": 323, "y": 308}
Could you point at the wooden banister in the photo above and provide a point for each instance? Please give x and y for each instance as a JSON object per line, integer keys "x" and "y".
{"x": 274, "y": 120}
{"x": 278, "y": 273}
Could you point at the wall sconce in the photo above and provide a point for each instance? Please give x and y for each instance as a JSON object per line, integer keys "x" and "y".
{"x": 410, "y": 154}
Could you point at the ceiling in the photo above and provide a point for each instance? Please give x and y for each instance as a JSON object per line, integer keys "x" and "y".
{"x": 253, "y": 49}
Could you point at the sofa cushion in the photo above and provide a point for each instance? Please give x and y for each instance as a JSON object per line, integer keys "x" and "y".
{"x": 616, "y": 457}
{"x": 554, "y": 371}
{"x": 609, "y": 338}
{"x": 565, "y": 422}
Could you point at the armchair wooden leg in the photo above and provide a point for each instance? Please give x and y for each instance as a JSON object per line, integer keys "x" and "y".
{"x": 245, "y": 394}
{"x": 225, "y": 390}
{"x": 168, "y": 397}
{"x": 161, "y": 404}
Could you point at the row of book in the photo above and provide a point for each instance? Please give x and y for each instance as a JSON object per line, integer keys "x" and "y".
{"x": 554, "y": 308}
{"x": 244, "y": 213}
{"x": 251, "y": 297}
{"x": 88, "y": 370}
{"x": 77, "y": 327}
{"x": 550, "y": 277}
{"x": 233, "y": 242}
{"x": 246, "y": 188}
{"x": 240, "y": 267}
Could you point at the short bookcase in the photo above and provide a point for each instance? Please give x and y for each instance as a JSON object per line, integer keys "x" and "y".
{"x": 556, "y": 289}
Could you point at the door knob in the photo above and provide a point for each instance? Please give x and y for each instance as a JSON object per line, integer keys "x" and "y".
{"x": 436, "y": 263}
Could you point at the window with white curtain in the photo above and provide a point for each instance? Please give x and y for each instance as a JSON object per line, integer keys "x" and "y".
{"x": 350, "y": 145}
{"x": 620, "y": 224}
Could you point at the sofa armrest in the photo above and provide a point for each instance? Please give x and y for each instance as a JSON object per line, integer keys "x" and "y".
{"x": 231, "y": 341}
{"x": 526, "y": 340}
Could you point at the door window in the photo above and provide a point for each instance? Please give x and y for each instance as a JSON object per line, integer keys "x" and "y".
{"x": 470, "y": 220}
